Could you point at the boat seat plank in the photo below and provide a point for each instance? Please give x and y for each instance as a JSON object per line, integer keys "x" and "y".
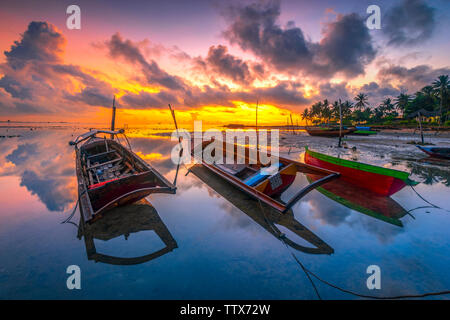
{"x": 104, "y": 163}
{"x": 233, "y": 169}
{"x": 102, "y": 154}
{"x": 258, "y": 177}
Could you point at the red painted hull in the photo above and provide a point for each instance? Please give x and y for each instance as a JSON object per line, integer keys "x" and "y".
{"x": 378, "y": 183}
{"x": 287, "y": 181}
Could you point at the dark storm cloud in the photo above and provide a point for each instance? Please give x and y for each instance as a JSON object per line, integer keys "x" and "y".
{"x": 41, "y": 42}
{"x": 227, "y": 65}
{"x": 284, "y": 93}
{"x": 346, "y": 46}
{"x": 334, "y": 91}
{"x": 144, "y": 100}
{"x": 409, "y": 23}
{"x": 36, "y": 80}
{"x": 130, "y": 52}
{"x": 253, "y": 27}
{"x": 13, "y": 87}
{"x": 48, "y": 190}
{"x": 92, "y": 96}
{"x": 412, "y": 78}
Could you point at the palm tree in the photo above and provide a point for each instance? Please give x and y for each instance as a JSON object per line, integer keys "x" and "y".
{"x": 347, "y": 108}
{"x": 427, "y": 91}
{"x": 402, "y": 100}
{"x": 305, "y": 115}
{"x": 441, "y": 84}
{"x": 326, "y": 111}
{"x": 387, "y": 105}
{"x": 361, "y": 100}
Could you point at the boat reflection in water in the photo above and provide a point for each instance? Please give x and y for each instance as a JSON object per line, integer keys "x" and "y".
{"x": 263, "y": 214}
{"x": 123, "y": 221}
{"x": 361, "y": 200}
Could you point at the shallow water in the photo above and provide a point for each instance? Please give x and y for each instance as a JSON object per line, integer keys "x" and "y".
{"x": 219, "y": 244}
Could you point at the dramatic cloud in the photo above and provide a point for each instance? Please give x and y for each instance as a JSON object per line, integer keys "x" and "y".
{"x": 41, "y": 42}
{"x": 227, "y": 65}
{"x": 346, "y": 45}
{"x": 334, "y": 91}
{"x": 129, "y": 51}
{"x": 413, "y": 78}
{"x": 35, "y": 80}
{"x": 409, "y": 23}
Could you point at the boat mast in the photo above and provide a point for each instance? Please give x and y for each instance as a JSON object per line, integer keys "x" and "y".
{"x": 113, "y": 120}
{"x": 340, "y": 123}
{"x": 257, "y": 136}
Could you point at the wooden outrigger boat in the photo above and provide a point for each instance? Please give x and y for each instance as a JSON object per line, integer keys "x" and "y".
{"x": 266, "y": 216}
{"x": 110, "y": 174}
{"x": 382, "y": 181}
{"x": 436, "y": 152}
{"x": 364, "y": 201}
{"x": 328, "y": 132}
{"x": 252, "y": 179}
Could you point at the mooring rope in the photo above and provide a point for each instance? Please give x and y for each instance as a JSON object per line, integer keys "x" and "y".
{"x": 308, "y": 272}
{"x": 431, "y": 204}
{"x": 74, "y": 209}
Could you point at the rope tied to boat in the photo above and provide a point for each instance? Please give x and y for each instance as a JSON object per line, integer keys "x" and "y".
{"x": 74, "y": 209}
{"x": 282, "y": 237}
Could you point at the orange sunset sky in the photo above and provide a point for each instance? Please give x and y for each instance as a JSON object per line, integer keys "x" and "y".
{"x": 211, "y": 59}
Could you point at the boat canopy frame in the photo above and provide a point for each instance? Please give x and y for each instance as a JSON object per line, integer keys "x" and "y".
{"x": 92, "y": 134}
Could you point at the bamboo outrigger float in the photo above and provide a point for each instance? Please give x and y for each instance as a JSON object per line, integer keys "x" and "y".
{"x": 264, "y": 215}
{"x": 110, "y": 174}
{"x": 251, "y": 179}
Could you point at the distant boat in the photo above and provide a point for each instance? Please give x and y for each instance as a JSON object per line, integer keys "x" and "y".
{"x": 253, "y": 179}
{"x": 383, "y": 181}
{"x": 362, "y": 200}
{"x": 328, "y": 132}
{"x": 436, "y": 152}
{"x": 364, "y": 131}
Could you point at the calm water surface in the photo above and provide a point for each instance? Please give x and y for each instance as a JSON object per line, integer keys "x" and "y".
{"x": 207, "y": 242}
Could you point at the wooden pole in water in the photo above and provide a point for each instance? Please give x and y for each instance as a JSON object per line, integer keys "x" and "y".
{"x": 292, "y": 125}
{"x": 340, "y": 124}
{"x": 113, "y": 120}
{"x": 420, "y": 126}
{"x": 257, "y": 135}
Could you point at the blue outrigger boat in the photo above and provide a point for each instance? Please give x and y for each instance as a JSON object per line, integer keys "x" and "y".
{"x": 436, "y": 152}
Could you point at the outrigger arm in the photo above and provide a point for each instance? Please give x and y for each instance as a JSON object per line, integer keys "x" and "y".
{"x": 93, "y": 133}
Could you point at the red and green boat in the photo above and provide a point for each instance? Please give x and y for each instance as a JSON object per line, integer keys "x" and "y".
{"x": 382, "y": 181}
{"x": 361, "y": 200}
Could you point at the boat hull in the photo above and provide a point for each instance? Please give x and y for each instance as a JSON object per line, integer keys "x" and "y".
{"x": 97, "y": 199}
{"x": 378, "y": 183}
{"x": 329, "y": 133}
{"x": 434, "y": 152}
